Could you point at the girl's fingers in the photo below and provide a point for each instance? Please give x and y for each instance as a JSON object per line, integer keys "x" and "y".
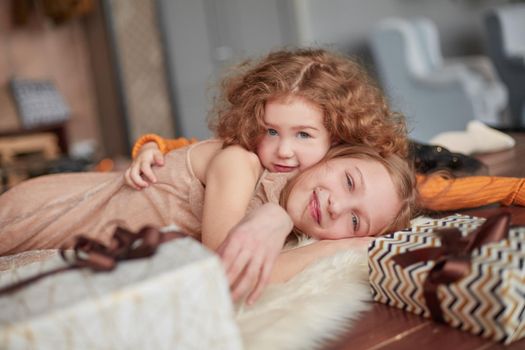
{"x": 247, "y": 279}
{"x": 147, "y": 172}
{"x": 228, "y": 251}
{"x": 237, "y": 266}
{"x": 136, "y": 178}
{"x": 158, "y": 158}
{"x": 126, "y": 178}
{"x": 129, "y": 182}
{"x": 261, "y": 283}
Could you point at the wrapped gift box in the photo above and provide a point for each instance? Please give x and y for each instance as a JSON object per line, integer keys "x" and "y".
{"x": 489, "y": 301}
{"x": 177, "y": 299}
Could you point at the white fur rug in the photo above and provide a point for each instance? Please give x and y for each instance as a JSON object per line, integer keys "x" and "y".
{"x": 311, "y": 308}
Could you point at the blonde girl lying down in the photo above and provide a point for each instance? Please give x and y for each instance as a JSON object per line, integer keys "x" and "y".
{"x": 353, "y": 192}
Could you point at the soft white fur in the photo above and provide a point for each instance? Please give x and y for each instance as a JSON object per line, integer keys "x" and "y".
{"x": 314, "y": 306}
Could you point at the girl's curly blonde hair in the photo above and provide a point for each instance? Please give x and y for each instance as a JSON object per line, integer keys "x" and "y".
{"x": 355, "y": 110}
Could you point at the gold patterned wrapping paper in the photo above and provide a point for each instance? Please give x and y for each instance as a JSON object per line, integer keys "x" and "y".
{"x": 177, "y": 299}
{"x": 489, "y": 301}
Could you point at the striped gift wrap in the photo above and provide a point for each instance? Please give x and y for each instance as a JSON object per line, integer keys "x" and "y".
{"x": 489, "y": 301}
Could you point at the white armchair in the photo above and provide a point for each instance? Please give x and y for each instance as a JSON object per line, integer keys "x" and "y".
{"x": 436, "y": 95}
{"x": 505, "y": 27}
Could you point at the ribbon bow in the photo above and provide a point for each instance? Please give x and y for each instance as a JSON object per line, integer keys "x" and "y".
{"x": 453, "y": 257}
{"x": 124, "y": 245}
{"x": 90, "y": 253}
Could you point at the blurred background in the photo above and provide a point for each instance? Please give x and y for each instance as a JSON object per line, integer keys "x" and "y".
{"x": 81, "y": 80}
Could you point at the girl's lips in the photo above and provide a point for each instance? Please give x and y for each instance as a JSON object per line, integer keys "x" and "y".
{"x": 315, "y": 209}
{"x": 284, "y": 168}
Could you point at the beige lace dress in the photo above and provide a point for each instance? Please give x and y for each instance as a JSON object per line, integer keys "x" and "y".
{"x": 46, "y": 212}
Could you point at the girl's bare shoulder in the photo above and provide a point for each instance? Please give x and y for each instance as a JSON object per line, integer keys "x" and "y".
{"x": 204, "y": 153}
{"x": 201, "y": 154}
{"x": 239, "y": 153}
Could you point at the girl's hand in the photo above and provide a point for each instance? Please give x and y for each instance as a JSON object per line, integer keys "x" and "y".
{"x": 292, "y": 261}
{"x": 249, "y": 251}
{"x": 140, "y": 171}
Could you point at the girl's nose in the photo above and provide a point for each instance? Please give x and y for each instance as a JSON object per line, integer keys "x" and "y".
{"x": 285, "y": 150}
{"x": 338, "y": 206}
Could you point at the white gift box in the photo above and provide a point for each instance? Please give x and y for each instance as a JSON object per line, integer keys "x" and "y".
{"x": 177, "y": 299}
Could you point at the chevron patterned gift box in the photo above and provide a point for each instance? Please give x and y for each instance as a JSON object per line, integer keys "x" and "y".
{"x": 465, "y": 271}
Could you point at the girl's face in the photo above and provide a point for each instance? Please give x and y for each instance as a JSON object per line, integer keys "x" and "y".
{"x": 343, "y": 198}
{"x": 295, "y": 135}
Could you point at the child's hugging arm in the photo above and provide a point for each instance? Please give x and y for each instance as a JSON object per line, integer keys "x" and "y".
{"x": 230, "y": 178}
{"x": 248, "y": 244}
{"x": 252, "y": 247}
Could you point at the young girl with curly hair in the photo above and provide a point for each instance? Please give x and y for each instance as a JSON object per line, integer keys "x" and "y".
{"x": 353, "y": 109}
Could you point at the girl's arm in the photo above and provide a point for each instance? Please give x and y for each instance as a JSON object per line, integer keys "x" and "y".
{"x": 260, "y": 261}
{"x": 438, "y": 193}
{"x": 230, "y": 178}
{"x": 291, "y": 262}
{"x": 251, "y": 248}
{"x": 248, "y": 244}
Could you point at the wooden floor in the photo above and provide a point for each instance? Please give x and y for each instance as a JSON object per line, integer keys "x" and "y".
{"x": 388, "y": 328}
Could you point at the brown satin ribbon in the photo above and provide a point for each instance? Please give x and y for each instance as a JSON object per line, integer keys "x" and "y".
{"x": 453, "y": 257}
{"x": 92, "y": 254}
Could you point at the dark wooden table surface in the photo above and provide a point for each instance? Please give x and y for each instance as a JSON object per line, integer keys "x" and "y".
{"x": 388, "y": 328}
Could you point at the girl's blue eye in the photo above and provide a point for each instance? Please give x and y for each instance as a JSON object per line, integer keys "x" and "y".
{"x": 303, "y": 135}
{"x": 350, "y": 184}
{"x": 355, "y": 222}
{"x": 272, "y": 132}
